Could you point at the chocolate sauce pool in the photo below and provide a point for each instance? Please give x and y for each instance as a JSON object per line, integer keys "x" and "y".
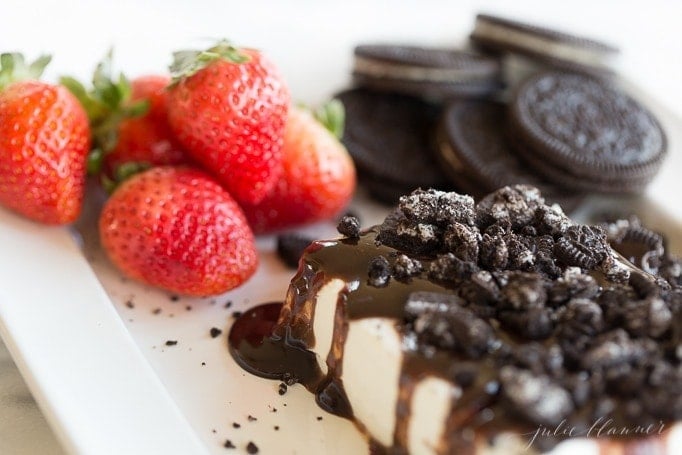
{"x": 255, "y": 346}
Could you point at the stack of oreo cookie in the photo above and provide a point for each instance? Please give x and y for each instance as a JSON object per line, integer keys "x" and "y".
{"x": 477, "y": 121}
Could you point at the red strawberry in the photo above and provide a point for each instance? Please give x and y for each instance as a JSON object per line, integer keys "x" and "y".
{"x": 129, "y": 120}
{"x": 44, "y": 141}
{"x": 228, "y": 107}
{"x": 318, "y": 179}
{"x": 178, "y": 229}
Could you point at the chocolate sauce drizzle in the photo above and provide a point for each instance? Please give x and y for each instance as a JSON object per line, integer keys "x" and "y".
{"x": 271, "y": 340}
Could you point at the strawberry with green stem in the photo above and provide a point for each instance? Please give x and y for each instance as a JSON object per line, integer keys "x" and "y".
{"x": 129, "y": 123}
{"x": 319, "y": 178}
{"x": 44, "y": 141}
{"x": 228, "y": 107}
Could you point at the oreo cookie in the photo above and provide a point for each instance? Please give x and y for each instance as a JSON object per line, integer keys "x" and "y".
{"x": 474, "y": 151}
{"x": 390, "y": 139}
{"x": 585, "y": 134}
{"x": 552, "y": 47}
{"x": 431, "y": 73}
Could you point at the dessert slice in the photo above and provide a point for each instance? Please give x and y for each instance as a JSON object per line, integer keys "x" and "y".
{"x": 460, "y": 328}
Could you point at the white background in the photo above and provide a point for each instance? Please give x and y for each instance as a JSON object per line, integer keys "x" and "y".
{"x": 312, "y": 40}
{"x": 312, "y": 44}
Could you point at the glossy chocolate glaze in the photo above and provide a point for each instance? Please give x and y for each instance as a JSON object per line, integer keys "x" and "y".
{"x": 271, "y": 341}
{"x": 275, "y": 347}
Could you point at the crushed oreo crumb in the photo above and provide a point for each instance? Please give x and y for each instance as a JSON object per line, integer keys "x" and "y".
{"x": 353, "y": 214}
{"x": 215, "y": 332}
{"x": 174, "y": 298}
{"x": 582, "y": 246}
{"x": 349, "y": 226}
{"x": 130, "y": 304}
{"x": 171, "y": 342}
{"x": 228, "y": 444}
{"x": 236, "y": 314}
{"x": 515, "y": 205}
{"x": 379, "y": 272}
{"x": 251, "y": 448}
{"x": 236, "y": 425}
{"x": 441, "y": 321}
{"x": 537, "y": 397}
{"x": 405, "y": 267}
{"x": 251, "y": 418}
{"x": 282, "y": 388}
{"x": 156, "y": 311}
{"x": 290, "y": 248}
{"x": 228, "y": 304}
{"x": 645, "y": 249}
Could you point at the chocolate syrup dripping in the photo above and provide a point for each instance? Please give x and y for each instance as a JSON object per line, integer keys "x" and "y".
{"x": 272, "y": 340}
{"x": 403, "y": 410}
{"x": 332, "y": 396}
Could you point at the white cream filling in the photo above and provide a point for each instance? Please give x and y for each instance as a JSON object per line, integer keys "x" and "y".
{"x": 431, "y": 404}
{"x": 323, "y": 320}
{"x": 558, "y": 49}
{"x": 390, "y": 70}
{"x": 372, "y": 360}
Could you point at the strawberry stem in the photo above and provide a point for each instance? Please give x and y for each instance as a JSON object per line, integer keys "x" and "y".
{"x": 121, "y": 174}
{"x": 107, "y": 105}
{"x": 332, "y": 115}
{"x": 95, "y": 161}
{"x": 13, "y": 68}
{"x": 189, "y": 62}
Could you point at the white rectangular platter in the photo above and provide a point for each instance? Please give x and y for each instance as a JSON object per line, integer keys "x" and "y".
{"x": 91, "y": 345}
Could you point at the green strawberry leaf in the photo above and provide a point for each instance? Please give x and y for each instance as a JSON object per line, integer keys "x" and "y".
{"x": 93, "y": 108}
{"x": 13, "y": 68}
{"x": 136, "y": 109}
{"x": 127, "y": 170}
{"x": 95, "y": 161}
{"x": 109, "y": 92}
{"x": 189, "y": 62}
{"x": 121, "y": 174}
{"x": 107, "y": 104}
{"x": 332, "y": 115}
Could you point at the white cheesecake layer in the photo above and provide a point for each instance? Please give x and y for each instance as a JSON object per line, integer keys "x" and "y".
{"x": 431, "y": 404}
{"x": 372, "y": 361}
{"x": 323, "y": 320}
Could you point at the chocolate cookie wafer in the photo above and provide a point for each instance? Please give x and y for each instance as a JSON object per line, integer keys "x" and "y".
{"x": 432, "y": 73}
{"x": 475, "y": 153}
{"x": 390, "y": 139}
{"x": 645, "y": 248}
{"x": 553, "y": 47}
{"x": 584, "y": 134}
